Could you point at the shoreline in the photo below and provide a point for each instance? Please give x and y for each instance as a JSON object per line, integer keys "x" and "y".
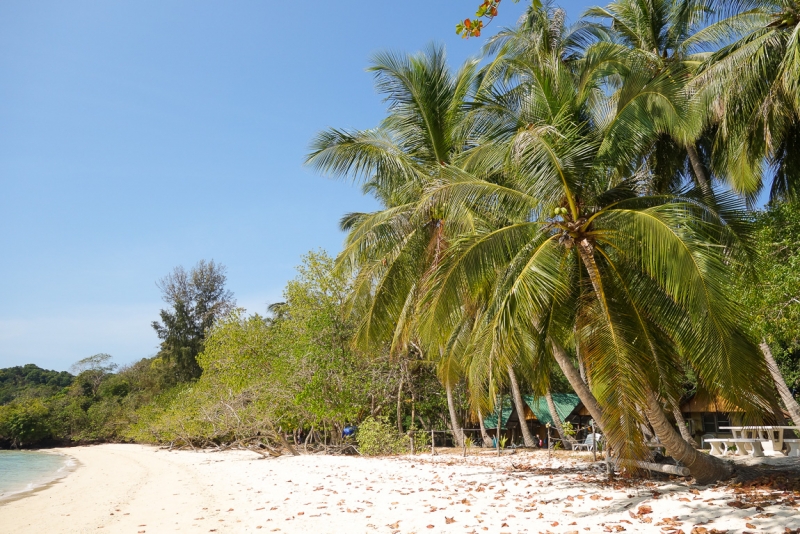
{"x": 70, "y": 465}
{"x": 143, "y": 489}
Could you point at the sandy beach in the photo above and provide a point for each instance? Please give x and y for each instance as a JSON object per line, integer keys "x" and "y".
{"x": 140, "y": 489}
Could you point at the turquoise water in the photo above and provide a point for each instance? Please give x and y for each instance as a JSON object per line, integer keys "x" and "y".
{"x": 23, "y": 471}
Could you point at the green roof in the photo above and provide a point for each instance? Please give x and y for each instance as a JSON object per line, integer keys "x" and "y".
{"x": 490, "y": 421}
{"x": 565, "y": 404}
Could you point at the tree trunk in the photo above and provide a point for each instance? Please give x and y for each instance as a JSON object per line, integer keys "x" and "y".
{"x": 400, "y": 406}
{"x": 786, "y": 395}
{"x": 676, "y": 412}
{"x": 582, "y": 369}
{"x": 413, "y": 407}
{"x": 699, "y": 169}
{"x": 499, "y": 422}
{"x": 705, "y": 468}
{"x": 457, "y": 434}
{"x": 487, "y": 441}
{"x": 425, "y": 426}
{"x": 557, "y": 419}
{"x": 519, "y": 404}
{"x": 580, "y": 387}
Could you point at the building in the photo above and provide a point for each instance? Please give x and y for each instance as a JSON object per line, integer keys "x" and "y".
{"x": 537, "y": 416}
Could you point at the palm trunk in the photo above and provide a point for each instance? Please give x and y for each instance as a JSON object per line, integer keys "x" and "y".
{"x": 676, "y": 412}
{"x": 519, "y": 404}
{"x": 783, "y": 390}
{"x": 582, "y": 369}
{"x": 487, "y": 441}
{"x": 457, "y": 434}
{"x": 580, "y": 387}
{"x": 556, "y": 418}
{"x": 704, "y": 468}
{"x": 699, "y": 169}
{"x": 400, "y": 406}
{"x": 581, "y": 365}
{"x": 499, "y": 422}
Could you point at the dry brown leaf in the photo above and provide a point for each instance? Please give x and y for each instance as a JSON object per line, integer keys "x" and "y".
{"x": 449, "y": 520}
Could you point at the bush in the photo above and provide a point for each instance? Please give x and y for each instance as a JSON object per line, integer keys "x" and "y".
{"x": 376, "y": 437}
{"x": 25, "y": 422}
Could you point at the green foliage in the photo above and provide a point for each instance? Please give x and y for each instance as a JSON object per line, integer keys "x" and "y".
{"x": 773, "y": 297}
{"x": 376, "y": 437}
{"x": 197, "y": 298}
{"x": 296, "y": 368}
{"x": 569, "y": 430}
{"x": 31, "y": 381}
{"x": 24, "y": 422}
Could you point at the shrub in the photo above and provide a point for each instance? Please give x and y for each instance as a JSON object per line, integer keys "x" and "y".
{"x": 24, "y": 422}
{"x": 376, "y": 437}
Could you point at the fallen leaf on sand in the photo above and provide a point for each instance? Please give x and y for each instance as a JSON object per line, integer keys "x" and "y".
{"x": 749, "y": 525}
{"x": 644, "y": 509}
{"x": 430, "y": 526}
{"x": 394, "y": 525}
{"x": 449, "y": 520}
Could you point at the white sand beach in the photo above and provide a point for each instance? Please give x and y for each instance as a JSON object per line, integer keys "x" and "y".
{"x": 140, "y": 489}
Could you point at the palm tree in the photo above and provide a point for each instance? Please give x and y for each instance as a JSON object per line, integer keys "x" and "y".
{"x": 753, "y": 84}
{"x": 581, "y": 253}
{"x": 395, "y": 249}
{"x": 665, "y": 37}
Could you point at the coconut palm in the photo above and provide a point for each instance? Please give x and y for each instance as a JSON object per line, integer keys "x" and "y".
{"x": 587, "y": 257}
{"x": 394, "y": 249}
{"x": 666, "y": 36}
{"x": 753, "y": 84}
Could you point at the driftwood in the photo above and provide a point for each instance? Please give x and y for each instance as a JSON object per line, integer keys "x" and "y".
{"x": 664, "y": 468}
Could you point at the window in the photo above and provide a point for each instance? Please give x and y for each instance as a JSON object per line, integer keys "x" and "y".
{"x": 709, "y": 423}
{"x": 723, "y": 419}
{"x": 712, "y": 421}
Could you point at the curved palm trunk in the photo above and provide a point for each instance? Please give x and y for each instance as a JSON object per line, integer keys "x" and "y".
{"x": 557, "y": 419}
{"x": 676, "y": 412}
{"x": 783, "y": 390}
{"x": 580, "y": 387}
{"x": 487, "y": 441}
{"x": 457, "y": 433}
{"x": 704, "y": 468}
{"x": 519, "y": 404}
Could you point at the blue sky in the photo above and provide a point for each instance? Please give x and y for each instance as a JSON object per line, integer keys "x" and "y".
{"x": 138, "y": 136}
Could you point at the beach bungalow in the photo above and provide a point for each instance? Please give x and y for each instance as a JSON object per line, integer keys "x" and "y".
{"x": 536, "y": 416}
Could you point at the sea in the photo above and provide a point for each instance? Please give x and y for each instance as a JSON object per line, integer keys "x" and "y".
{"x": 22, "y": 471}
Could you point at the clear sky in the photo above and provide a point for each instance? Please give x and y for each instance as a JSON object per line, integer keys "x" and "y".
{"x": 138, "y": 136}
